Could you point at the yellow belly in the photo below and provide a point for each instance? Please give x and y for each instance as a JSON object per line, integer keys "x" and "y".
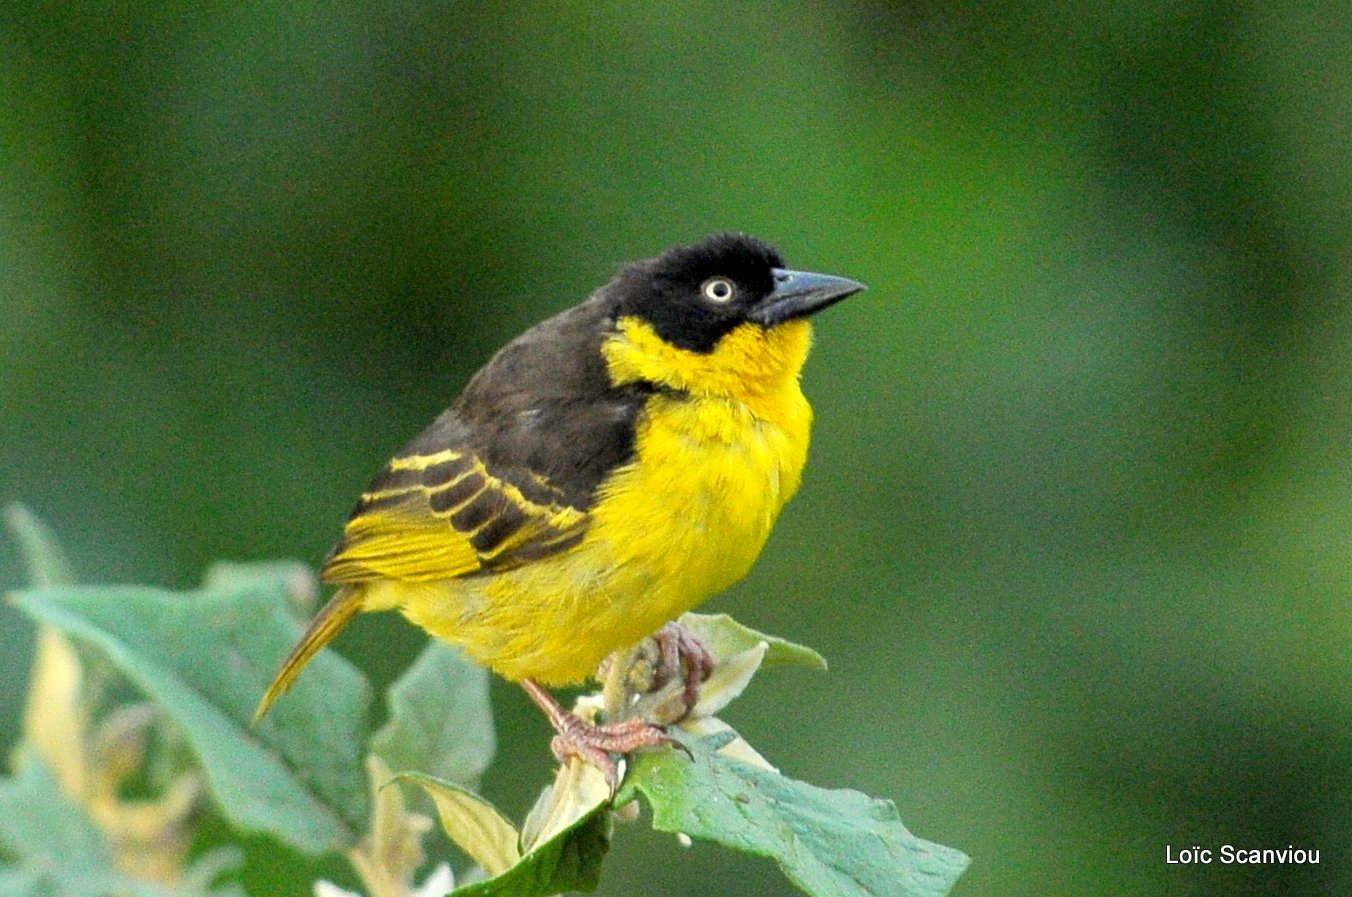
{"x": 682, "y": 522}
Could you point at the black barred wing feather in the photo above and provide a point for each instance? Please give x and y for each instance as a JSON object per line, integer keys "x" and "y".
{"x": 508, "y": 473}
{"x": 434, "y": 513}
{"x": 444, "y": 514}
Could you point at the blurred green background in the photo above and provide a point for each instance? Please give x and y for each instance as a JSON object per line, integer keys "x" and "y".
{"x": 1075, "y": 530}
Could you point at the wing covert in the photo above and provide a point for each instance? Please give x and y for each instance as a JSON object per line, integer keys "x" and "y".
{"x": 508, "y": 474}
{"x": 442, "y": 515}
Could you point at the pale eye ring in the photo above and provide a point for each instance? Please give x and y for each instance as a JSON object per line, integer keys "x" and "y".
{"x": 718, "y": 289}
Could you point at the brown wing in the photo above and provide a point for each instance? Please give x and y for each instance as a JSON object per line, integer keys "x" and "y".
{"x": 442, "y": 515}
{"x": 508, "y": 474}
{"x": 505, "y": 477}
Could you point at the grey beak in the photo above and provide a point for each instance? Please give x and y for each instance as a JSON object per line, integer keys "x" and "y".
{"x": 798, "y": 294}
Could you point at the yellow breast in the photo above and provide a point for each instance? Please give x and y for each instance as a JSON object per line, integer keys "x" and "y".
{"x": 717, "y": 454}
{"x": 691, "y": 515}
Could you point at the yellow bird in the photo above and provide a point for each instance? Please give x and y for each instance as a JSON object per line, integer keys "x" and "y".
{"x": 603, "y": 473}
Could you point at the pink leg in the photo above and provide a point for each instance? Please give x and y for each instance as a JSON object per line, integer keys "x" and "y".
{"x": 593, "y": 743}
{"x": 676, "y": 643}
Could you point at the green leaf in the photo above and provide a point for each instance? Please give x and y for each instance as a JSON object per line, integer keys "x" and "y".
{"x": 570, "y": 861}
{"x": 47, "y": 563}
{"x": 472, "y": 823}
{"x": 17, "y": 882}
{"x": 40, "y": 824}
{"x": 577, "y": 833}
{"x": 206, "y": 867}
{"x": 301, "y": 584}
{"x": 725, "y": 637}
{"x": 440, "y": 720}
{"x": 577, "y": 790}
{"x": 830, "y": 843}
{"x": 58, "y": 850}
{"x": 204, "y": 657}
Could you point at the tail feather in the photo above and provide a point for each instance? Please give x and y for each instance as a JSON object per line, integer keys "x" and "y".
{"x": 330, "y": 620}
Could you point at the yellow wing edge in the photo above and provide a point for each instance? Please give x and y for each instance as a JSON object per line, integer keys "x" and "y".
{"x": 462, "y": 521}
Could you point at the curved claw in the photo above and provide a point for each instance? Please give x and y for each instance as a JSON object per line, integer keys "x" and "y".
{"x": 594, "y": 743}
{"x": 675, "y": 644}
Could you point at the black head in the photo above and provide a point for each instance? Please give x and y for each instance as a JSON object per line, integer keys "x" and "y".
{"x": 693, "y": 295}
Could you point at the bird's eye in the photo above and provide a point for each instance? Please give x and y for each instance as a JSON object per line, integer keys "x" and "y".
{"x": 718, "y": 289}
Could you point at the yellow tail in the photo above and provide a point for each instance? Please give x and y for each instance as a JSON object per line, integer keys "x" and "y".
{"x": 330, "y": 620}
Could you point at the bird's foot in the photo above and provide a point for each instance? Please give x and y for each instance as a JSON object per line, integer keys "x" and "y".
{"x": 595, "y": 743}
{"x": 682, "y": 654}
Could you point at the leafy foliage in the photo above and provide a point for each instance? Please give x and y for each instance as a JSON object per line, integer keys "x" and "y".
{"x": 313, "y": 775}
{"x": 202, "y": 657}
{"x": 831, "y": 843}
{"x": 725, "y": 637}
{"x": 440, "y": 721}
{"x": 47, "y": 563}
{"x": 64, "y": 826}
{"x": 55, "y": 843}
{"x": 568, "y": 859}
